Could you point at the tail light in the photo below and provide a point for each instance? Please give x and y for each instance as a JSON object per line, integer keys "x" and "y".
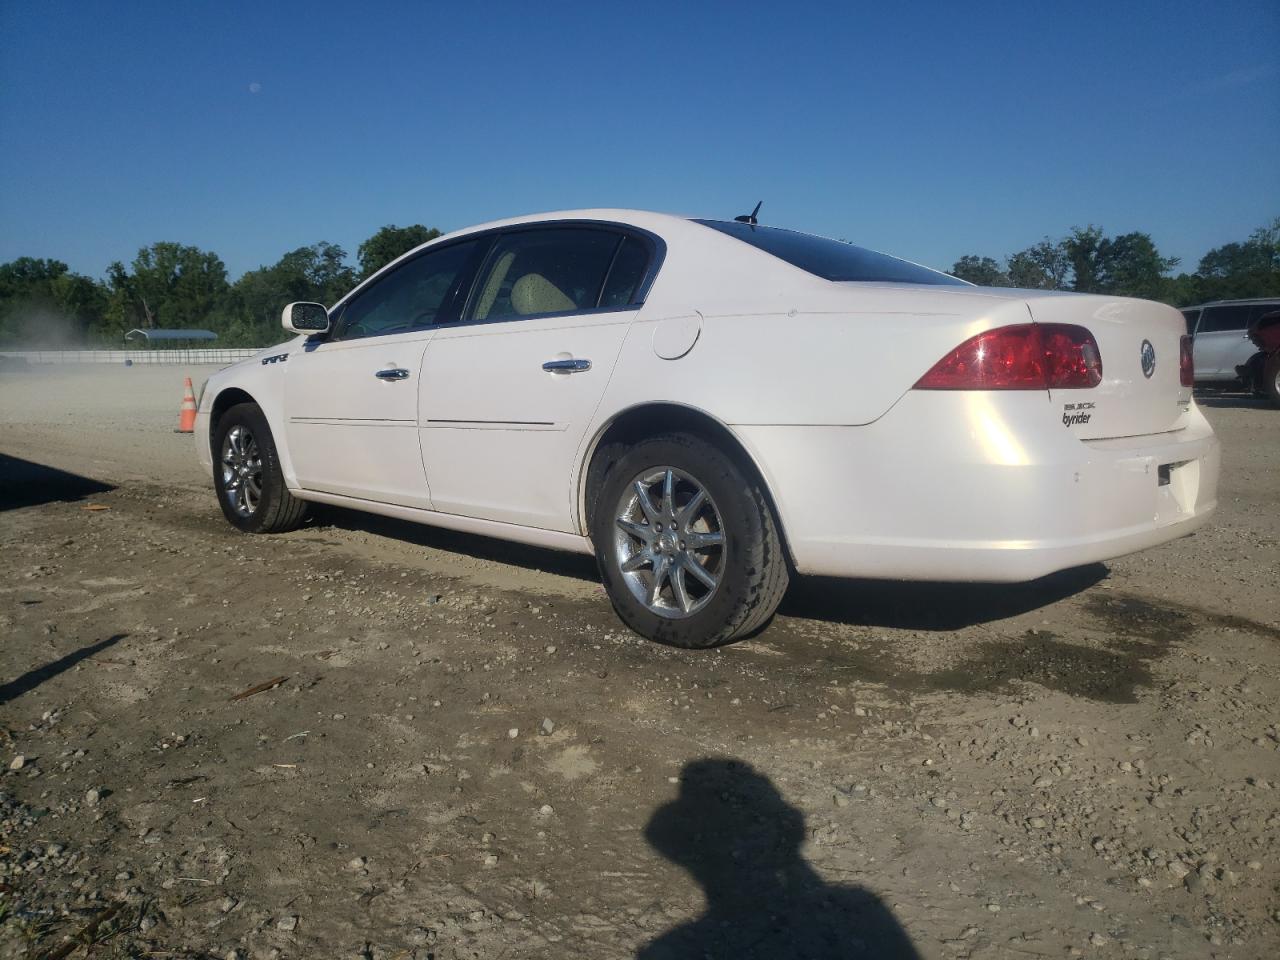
{"x": 1025, "y": 356}
{"x": 1186, "y": 364}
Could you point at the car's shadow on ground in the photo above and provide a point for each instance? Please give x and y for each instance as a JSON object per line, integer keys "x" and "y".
{"x": 24, "y": 483}
{"x": 929, "y": 606}
{"x": 879, "y": 603}
{"x": 575, "y": 565}
{"x": 1234, "y": 401}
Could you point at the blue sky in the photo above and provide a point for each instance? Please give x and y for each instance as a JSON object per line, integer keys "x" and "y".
{"x": 925, "y": 130}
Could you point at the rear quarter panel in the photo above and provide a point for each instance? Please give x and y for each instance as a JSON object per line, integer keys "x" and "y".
{"x": 843, "y": 366}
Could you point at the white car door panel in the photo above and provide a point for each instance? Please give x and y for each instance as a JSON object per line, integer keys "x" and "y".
{"x": 352, "y": 418}
{"x": 351, "y": 402}
{"x": 499, "y": 432}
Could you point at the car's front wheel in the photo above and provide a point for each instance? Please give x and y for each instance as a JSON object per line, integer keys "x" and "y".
{"x": 688, "y": 547}
{"x": 247, "y": 474}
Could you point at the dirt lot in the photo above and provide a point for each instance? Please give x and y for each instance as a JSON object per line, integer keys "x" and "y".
{"x": 464, "y": 755}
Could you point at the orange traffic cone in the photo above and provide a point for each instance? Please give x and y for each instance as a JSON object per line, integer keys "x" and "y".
{"x": 187, "y": 412}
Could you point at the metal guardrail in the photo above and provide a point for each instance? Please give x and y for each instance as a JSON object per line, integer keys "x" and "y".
{"x": 195, "y": 355}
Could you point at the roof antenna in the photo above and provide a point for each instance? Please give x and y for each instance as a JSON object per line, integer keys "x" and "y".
{"x": 750, "y": 217}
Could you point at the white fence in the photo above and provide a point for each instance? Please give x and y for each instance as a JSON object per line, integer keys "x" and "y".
{"x": 194, "y": 355}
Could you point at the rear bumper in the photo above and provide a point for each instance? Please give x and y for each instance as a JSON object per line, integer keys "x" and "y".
{"x": 979, "y": 487}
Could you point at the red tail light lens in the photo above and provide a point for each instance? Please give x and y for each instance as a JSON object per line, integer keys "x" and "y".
{"x": 1025, "y": 356}
{"x": 1186, "y": 364}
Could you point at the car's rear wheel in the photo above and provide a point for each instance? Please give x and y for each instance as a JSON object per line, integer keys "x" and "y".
{"x": 688, "y": 547}
{"x": 247, "y": 474}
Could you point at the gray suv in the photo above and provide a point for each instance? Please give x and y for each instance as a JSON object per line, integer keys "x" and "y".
{"x": 1224, "y": 354}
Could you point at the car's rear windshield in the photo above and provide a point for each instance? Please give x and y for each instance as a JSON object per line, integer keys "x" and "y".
{"x": 830, "y": 259}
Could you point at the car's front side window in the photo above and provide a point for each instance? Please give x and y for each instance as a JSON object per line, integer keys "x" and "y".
{"x": 409, "y": 298}
{"x": 533, "y": 272}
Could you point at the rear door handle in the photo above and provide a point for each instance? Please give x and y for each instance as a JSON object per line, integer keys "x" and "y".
{"x": 566, "y": 366}
{"x": 393, "y": 373}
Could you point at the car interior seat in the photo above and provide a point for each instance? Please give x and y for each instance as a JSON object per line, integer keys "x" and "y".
{"x": 534, "y": 293}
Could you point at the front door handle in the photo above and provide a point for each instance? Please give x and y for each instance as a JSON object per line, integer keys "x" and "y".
{"x": 566, "y": 366}
{"x": 393, "y": 373}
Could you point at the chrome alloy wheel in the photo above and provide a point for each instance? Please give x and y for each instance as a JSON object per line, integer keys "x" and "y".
{"x": 669, "y": 542}
{"x": 242, "y": 470}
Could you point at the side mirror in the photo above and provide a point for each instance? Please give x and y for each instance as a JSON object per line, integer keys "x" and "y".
{"x": 303, "y": 317}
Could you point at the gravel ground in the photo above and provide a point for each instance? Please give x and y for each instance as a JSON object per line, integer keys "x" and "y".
{"x": 370, "y": 739}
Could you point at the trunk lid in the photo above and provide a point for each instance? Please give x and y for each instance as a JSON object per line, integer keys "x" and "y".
{"x": 1135, "y": 398}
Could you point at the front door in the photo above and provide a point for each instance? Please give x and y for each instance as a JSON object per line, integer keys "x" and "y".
{"x": 351, "y": 400}
{"x": 508, "y": 391}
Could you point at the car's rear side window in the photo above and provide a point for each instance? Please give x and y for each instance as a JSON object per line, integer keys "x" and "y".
{"x": 533, "y": 272}
{"x": 830, "y": 259}
{"x": 1261, "y": 310}
{"x": 1228, "y": 317}
{"x": 1191, "y": 317}
{"x": 629, "y": 266}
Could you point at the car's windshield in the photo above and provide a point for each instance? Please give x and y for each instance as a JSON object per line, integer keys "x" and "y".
{"x": 830, "y": 259}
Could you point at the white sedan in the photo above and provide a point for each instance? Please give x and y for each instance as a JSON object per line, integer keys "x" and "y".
{"x": 707, "y": 406}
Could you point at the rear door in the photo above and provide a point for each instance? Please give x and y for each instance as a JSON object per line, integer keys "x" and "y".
{"x": 351, "y": 401}
{"x": 1222, "y": 341}
{"x": 508, "y": 390}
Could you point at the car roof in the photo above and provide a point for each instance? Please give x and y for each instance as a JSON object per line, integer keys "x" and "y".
{"x": 645, "y": 219}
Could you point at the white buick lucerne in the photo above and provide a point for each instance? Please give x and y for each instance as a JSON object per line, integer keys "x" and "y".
{"x": 708, "y": 405}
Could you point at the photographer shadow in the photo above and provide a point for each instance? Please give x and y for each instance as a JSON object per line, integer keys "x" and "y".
{"x": 740, "y": 840}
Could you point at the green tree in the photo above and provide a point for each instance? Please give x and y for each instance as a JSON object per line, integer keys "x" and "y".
{"x": 390, "y": 242}
{"x": 1183, "y": 290}
{"x": 317, "y": 273}
{"x": 1130, "y": 265}
{"x": 1044, "y": 266}
{"x": 42, "y": 303}
{"x": 168, "y": 285}
{"x": 1245, "y": 269}
{"x": 983, "y": 271}
{"x": 1081, "y": 247}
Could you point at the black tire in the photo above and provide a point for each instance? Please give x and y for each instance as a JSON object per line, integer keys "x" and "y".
{"x": 751, "y": 565}
{"x": 274, "y": 509}
{"x": 1271, "y": 378}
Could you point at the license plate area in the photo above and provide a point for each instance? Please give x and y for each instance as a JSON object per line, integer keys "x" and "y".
{"x": 1177, "y": 484}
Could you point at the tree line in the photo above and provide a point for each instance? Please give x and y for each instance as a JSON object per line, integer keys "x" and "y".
{"x": 169, "y": 285}
{"x": 44, "y": 304}
{"x": 1086, "y": 260}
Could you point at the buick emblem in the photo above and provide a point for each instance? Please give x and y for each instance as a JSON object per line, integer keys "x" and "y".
{"x": 1148, "y": 359}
